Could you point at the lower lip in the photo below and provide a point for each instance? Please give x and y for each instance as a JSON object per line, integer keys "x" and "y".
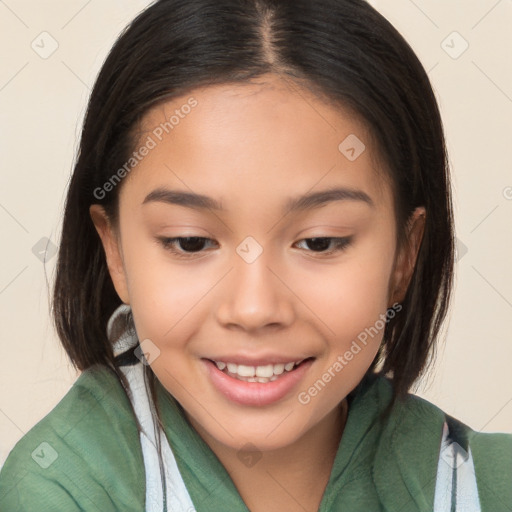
{"x": 256, "y": 393}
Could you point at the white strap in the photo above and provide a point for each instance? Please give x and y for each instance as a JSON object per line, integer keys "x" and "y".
{"x": 178, "y": 498}
{"x": 455, "y": 469}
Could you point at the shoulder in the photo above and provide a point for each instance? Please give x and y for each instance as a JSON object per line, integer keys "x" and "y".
{"x": 84, "y": 454}
{"x": 412, "y": 440}
{"x": 491, "y": 457}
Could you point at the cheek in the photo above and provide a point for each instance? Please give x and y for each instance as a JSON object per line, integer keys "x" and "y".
{"x": 164, "y": 295}
{"x": 349, "y": 295}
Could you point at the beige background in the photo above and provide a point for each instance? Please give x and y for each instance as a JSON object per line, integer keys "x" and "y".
{"x": 42, "y": 101}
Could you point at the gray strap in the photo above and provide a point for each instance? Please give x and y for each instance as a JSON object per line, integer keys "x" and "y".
{"x": 456, "y": 486}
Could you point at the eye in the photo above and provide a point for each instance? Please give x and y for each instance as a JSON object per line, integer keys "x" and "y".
{"x": 186, "y": 247}
{"x": 190, "y": 245}
{"x": 321, "y": 244}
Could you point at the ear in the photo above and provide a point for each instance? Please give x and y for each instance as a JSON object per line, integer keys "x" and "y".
{"x": 112, "y": 246}
{"x": 405, "y": 260}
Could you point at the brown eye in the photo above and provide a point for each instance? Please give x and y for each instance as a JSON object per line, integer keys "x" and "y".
{"x": 191, "y": 243}
{"x": 184, "y": 246}
{"x": 327, "y": 245}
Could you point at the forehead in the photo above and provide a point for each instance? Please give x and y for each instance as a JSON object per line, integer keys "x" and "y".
{"x": 262, "y": 139}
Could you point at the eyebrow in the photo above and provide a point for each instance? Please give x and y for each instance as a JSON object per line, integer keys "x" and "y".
{"x": 293, "y": 205}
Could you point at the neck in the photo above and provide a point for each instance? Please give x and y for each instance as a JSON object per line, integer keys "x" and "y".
{"x": 288, "y": 476}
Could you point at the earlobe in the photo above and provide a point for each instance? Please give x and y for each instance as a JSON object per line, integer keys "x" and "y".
{"x": 407, "y": 257}
{"x": 113, "y": 254}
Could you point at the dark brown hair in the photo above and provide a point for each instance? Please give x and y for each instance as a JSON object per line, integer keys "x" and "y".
{"x": 342, "y": 50}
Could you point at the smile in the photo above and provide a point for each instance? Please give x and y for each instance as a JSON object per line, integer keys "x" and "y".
{"x": 261, "y": 374}
{"x": 256, "y": 385}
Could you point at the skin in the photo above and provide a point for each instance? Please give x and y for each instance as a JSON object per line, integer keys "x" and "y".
{"x": 252, "y": 146}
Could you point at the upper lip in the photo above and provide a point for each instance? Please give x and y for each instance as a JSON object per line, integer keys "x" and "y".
{"x": 257, "y": 361}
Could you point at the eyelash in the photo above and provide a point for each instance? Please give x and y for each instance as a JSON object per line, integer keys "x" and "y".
{"x": 340, "y": 244}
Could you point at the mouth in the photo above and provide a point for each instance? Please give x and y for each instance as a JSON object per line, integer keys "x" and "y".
{"x": 258, "y": 384}
{"x": 262, "y": 373}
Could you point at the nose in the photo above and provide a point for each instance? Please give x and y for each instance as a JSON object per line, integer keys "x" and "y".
{"x": 255, "y": 297}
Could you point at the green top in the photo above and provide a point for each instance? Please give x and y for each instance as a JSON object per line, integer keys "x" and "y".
{"x": 85, "y": 455}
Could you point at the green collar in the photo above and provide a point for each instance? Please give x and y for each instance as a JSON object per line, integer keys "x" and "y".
{"x": 378, "y": 466}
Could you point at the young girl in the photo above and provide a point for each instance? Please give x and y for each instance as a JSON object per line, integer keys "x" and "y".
{"x": 255, "y": 264}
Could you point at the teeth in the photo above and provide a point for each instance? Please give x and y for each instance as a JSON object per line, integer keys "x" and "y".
{"x": 278, "y": 369}
{"x": 245, "y": 371}
{"x": 263, "y": 371}
{"x": 266, "y": 373}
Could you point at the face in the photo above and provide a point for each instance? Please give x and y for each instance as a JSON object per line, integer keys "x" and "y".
{"x": 260, "y": 310}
